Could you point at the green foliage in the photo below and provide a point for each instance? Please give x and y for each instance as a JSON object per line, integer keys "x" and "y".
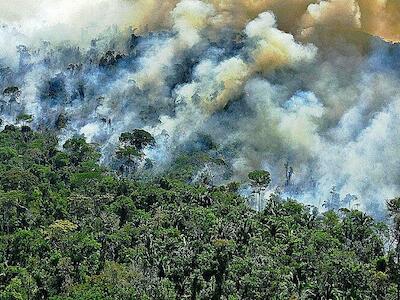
{"x": 24, "y": 118}
{"x": 260, "y": 178}
{"x": 79, "y": 151}
{"x": 71, "y": 229}
{"x": 130, "y": 150}
{"x": 60, "y": 226}
{"x": 138, "y": 139}
{"x": 186, "y": 165}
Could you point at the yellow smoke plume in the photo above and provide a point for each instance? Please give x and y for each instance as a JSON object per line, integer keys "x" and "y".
{"x": 375, "y": 17}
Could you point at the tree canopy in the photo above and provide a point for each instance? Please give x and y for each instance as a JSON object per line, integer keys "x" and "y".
{"x": 72, "y": 229}
{"x": 260, "y": 177}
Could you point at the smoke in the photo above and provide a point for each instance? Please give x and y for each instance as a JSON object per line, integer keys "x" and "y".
{"x": 307, "y": 84}
{"x": 275, "y": 48}
{"x": 334, "y": 13}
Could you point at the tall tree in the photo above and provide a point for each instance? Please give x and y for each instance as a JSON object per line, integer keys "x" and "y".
{"x": 131, "y": 148}
{"x": 260, "y": 179}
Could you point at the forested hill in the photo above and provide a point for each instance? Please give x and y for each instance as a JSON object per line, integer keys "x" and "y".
{"x": 71, "y": 229}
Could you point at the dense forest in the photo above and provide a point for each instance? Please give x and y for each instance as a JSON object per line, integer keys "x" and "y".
{"x": 199, "y": 149}
{"x": 73, "y": 229}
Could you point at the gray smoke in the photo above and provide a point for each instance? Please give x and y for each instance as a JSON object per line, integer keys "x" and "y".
{"x": 323, "y": 103}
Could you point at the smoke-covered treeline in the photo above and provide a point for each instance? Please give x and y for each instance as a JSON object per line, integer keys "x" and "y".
{"x": 310, "y": 84}
{"x": 72, "y": 229}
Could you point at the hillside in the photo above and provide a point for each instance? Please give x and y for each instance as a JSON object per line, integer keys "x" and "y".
{"x": 72, "y": 229}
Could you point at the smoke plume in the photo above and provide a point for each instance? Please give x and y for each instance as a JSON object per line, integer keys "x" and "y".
{"x": 308, "y": 84}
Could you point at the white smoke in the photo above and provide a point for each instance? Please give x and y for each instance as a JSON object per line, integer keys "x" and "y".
{"x": 258, "y": 92}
